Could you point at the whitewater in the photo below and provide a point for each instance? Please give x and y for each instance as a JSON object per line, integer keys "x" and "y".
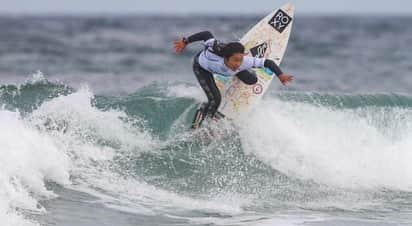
{"x": 300, "y": 157}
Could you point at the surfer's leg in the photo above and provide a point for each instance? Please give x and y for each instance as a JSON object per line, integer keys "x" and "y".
{"x": 247, "y": 76}
{"x": 207, "y": 82}
{"x": 213, "y": 96}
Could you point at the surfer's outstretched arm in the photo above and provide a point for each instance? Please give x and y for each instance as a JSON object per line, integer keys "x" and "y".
{"x": 273, "y": 67}
{"x": 182, "y": 43}
{"x": 201, "y": 36}
{"x": 284, "y": 78}
{"x": 255, "y": 62}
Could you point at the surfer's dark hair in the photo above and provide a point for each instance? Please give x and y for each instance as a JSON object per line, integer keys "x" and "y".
{"x": 232, "y": 48}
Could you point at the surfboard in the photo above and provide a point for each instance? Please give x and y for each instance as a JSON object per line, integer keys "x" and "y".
{"x": 269, "y": 39}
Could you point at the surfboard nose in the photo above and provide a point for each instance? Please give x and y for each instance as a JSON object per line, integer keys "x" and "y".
{"x": 288, "y": 8}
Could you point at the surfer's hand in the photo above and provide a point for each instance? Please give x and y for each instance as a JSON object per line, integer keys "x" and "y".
{"x": 179, "y": 46}
{"x": 284, "y": 78}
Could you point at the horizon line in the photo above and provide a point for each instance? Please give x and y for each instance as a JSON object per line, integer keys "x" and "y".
{"x": 206, "y": 14}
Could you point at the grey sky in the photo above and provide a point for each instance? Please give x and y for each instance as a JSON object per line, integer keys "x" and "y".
{"x": 202, "y": 6}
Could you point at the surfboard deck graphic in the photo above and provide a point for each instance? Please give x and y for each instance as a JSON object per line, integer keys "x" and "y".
{"x": 268, "y": 39}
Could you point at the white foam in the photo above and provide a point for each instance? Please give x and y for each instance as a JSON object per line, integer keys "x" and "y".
{"x": 188, "y": 91}
{"x": 27, "y": 159}
{"x": 76, "y": 115}
{"x": 37, "y": 77}
{"x": 58, "y": 140}
{"x": 345, "y": 148}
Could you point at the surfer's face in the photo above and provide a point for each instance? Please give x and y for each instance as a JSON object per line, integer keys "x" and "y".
{"x": 234, "y": 61}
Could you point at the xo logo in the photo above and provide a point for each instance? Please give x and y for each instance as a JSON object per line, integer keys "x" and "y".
{"x": 280, "y": 21}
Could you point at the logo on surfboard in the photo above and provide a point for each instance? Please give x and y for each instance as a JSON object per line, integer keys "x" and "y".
{"x": 257, "y": 89}
{"x": 259, "y": 50}
{"x": 280, "y": 21}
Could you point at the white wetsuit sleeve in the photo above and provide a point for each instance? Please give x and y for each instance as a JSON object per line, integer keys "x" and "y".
{"x": 209, "y": 43}
{"x": 252, "y": 62}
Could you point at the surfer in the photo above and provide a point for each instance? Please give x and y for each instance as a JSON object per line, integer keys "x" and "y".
{"x": 226, "y": 59}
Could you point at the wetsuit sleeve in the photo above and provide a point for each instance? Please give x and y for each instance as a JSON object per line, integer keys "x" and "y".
{"x": 273, "y": 67}
{"x": 251, "y": 62}
{"x": 255, "y": 62}
{"x": 201, "y": 36}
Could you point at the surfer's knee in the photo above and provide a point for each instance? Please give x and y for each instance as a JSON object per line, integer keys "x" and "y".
{"x": 247, "y": 76}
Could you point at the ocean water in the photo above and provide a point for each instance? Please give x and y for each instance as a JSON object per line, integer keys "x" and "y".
{"x": 95, "y": 113}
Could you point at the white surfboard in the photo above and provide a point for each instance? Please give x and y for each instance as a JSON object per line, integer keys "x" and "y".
{"x": 268, "y": 39}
